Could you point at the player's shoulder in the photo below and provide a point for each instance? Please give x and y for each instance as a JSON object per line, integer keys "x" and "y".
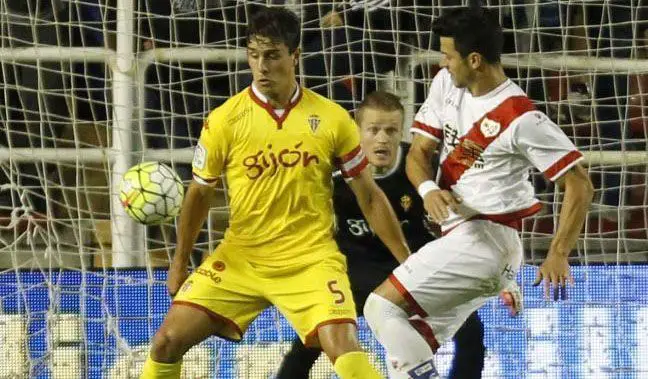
{"x": 533, "y": 121}
{"x": 443, "y": 75}
{"x": 326, "y": 106}
{"x": 232, "y": 109}
{"x": 509, "y": 104}
{"x": 442, "y": 79}
{"x": 441, "y": 85}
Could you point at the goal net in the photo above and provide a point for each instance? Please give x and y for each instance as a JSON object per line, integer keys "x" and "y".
{"x": 90, "y": 87}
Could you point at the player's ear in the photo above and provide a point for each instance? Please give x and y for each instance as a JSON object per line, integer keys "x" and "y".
{"x": 475, "y": 60}
{"x": 296, "y": 55}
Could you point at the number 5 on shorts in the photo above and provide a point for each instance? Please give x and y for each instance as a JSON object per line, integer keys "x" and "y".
{"x": 340, "y": 295}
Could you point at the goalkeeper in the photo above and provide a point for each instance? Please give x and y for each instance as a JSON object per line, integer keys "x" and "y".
{"x": 277, "y": 145}
{"x": 380, "y": 120}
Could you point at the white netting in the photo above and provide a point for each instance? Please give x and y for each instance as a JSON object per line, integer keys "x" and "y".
{"x": 84, "y": 96}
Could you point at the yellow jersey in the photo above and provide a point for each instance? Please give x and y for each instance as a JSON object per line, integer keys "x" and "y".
{"x": 278, "y": 166}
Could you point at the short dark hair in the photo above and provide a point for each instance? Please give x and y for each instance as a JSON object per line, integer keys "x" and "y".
{"x": 385, "y": 101}
{"x": 473, "y": 30}
{"x": 278, "y": 24}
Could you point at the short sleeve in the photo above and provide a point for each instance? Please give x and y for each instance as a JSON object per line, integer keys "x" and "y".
{"x": 547, "y": 147}
{"x": 211, "y": 151}
{"x": 349, "y": 156}
{"x": 428, "y": 118}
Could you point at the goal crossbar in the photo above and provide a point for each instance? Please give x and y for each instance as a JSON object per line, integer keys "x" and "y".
{"x": 184, "y": 155}
{"x": 552, "y": 61}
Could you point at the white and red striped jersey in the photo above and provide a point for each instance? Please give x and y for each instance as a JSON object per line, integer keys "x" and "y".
{"x": 490, "y": 144}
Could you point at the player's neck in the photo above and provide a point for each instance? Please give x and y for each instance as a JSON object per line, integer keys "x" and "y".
{"x": 282, "y": 100}
{"x": 486, "y": 81}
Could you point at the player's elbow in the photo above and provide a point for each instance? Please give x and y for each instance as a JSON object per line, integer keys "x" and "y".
{"x": 578, "y": 183}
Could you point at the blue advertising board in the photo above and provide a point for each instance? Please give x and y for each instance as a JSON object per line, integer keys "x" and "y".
{"x": 600, "y": 332}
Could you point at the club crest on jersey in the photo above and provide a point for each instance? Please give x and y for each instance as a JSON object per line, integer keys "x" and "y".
{"x": 406, "y": 202}
{"x": 313, "y": 122}
{"x": 489, "y": 128}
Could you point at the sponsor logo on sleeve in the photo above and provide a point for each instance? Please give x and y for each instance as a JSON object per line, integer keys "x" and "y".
{"x": 200, "y": 157}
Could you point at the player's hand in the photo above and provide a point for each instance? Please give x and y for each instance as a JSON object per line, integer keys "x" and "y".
{"x": 437, "y": 202}
{"x": 511, "y": 296}
{"x": 331, "y": 20}
{"x": 555, "y": 273}
{"x": 177, "y": 275}
{"x": 432, "y": 227}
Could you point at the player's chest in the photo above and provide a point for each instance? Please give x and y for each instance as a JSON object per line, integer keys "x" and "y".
{"x": 466, "y": 124}
{"x": 264, "y": 146}
{"x": 297, "y": 131}
{"x": 401, "y": 194}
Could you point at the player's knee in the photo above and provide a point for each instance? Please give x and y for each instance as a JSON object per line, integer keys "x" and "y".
{"x": 379, "y": 311}
{"x": 371, "y": 310}
{"x": 338, "y": 339}
{"x": 167, "y": 346}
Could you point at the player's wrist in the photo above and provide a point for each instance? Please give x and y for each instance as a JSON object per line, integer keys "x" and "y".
{"x": 427, "y": 187}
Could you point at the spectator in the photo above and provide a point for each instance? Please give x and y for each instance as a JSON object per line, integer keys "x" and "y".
{"x": 354, "y": 44}
{"x": 34, "y": 105}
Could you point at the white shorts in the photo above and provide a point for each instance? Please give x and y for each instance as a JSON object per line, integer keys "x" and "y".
{"x": 451, "y": 277}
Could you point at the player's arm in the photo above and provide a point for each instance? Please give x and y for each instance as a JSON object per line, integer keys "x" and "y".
{"x": 547, "y": 148}
{"x": 419, "y": 171}
{"x": 379, "y": 213}
{"x": 194, "y": 211}
{"x": 578, "y": 193}
{"x": 208, "y": 161}
{"x": 419, "y": 159}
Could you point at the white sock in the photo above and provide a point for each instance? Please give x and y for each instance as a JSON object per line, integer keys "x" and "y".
{"x": 408, "y": 353}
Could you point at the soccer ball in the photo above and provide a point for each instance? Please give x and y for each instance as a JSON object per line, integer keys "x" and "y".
{"x": 151, "y": 193}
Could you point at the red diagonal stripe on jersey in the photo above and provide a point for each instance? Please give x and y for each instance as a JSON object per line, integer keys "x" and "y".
{"x": 438, "y": 133}
{"x": 473, "y": 143}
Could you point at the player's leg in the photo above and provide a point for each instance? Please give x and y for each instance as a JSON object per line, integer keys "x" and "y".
{"x": 182, "y": 328}
{"x": 364, "y": 277}
{"x": 316, "y": 299}
{"x": 468, "y": 361}
{"x": 409, "y": 353}
{"x": 218, "y": 298}
{"x": 340, "y": 343}
{"x": 298, "y": 362}
{"x": 442, "y": 285}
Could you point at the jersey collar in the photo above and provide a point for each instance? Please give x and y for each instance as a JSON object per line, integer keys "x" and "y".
{"x": 397, "y": 163}
{"x": 262, "y": 101}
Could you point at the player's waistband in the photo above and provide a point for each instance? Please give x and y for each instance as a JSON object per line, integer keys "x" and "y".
{"x": 512, "y": 219}
{"x": 281, "y": 254}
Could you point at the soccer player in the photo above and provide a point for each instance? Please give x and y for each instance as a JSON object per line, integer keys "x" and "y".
{"x": 278, "y": 145}
{"x": 491, "y": 136}
{"x": 380, "y": 120}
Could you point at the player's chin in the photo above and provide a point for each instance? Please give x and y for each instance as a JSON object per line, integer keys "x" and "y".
{"x": 381, "y": 163}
